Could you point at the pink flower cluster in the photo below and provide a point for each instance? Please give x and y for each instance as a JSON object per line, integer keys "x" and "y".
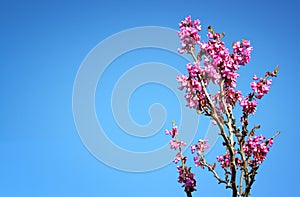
{"x": 198, "y": 162}
{"x": 242, "y": 52}
{"x": 194, "y": 95}
{"x": 256, "y": 148}
{"x": 179, "y": 157}
{"x": 189, "y": 34}
{"x": 200, "y": 147}
{"x": 218, "y": 63}
{"x": 228, "y": 64}
{"x": 222, "y": 60}
{"x": 261, "y": 87}
{"x": 173, "y": 132}
{"x": 232, "y": 96}
{"x": 176, "y": 144}
{"x": 248, "y": 105}
{"x": 224, "y": 160}
{"x": 186, "y": 177}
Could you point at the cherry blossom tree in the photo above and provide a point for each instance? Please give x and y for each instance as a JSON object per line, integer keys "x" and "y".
{"x": 244, "y": 150}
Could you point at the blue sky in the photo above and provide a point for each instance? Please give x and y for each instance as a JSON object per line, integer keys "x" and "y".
{"x": 43, "y": 44}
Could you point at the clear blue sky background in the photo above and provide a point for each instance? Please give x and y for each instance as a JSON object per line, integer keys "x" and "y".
{"x": 42, "y": 46}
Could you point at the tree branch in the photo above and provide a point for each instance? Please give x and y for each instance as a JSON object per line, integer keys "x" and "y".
{"x": 211, "y": 169}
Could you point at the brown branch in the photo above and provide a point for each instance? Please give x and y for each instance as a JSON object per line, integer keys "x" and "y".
{"x": 188, "y": 193}
{"x": 211, "y": 169}
{"x": 230, "y": 143}
{"x": 193, "y": 55}
{"x": 244, "y": 169}
{"x": 276, "y": 134}
{"x": 252, "y": 179}
{"x": 241, "y": 182}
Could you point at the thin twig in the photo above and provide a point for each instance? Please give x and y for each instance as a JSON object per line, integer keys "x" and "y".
{"x": 210, "y": 168}
{"x": 241, "y": 182}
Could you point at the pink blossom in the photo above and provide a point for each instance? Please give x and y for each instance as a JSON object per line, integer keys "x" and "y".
{"x": 261, "y": 87}
{"x": 179, "y": 157}
{"x": 221, "y": 59}
{"x": 242, "y": 52}
{"x": 270, "y": 142}
{"x": 175, "y": 144}
{"x": 187, "y": 178}
{"x": 176, "y": 159}
{"x": 224, "y": 160}
{"x": 198, "y": 163}
{"x": 193, "y": 148}
{"x": 183, "y": 80}
{"x": 200, "y": 147}
{"x": 188, "y": 34}
{"x": 172, "y": 132}
{"x": 256, "y": 148}
{"x": 249, "y": 107}
{"x": 255, "y": 77}
{"x": 232, "y": 96}
{"x": 194, "y": 95}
